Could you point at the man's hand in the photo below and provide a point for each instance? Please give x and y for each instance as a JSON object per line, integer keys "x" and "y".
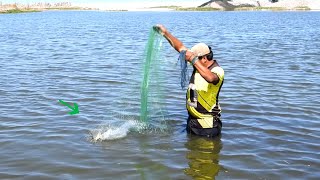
{"x": 174, "y": 42}
{"x": 160, "y": 29}
{"x": 189, "y": 56}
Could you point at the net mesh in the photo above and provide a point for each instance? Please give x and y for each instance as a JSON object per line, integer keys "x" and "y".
{"x": 154, "y": 78}
{"x": 184, "y": 73}
{"x": 151, "y": 86}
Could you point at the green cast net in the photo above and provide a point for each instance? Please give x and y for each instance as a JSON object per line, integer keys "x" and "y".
{"x": 154, "y": 78}
{"x": 151, "y": 87}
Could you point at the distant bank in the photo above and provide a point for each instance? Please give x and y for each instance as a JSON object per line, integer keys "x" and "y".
{"x": 262, "y": 5}
{"x": 38, "y": 7}
{"x": 212, "y": 5}
{"x": 251, "y": 5}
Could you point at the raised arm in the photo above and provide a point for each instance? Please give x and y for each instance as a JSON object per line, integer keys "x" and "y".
{"x": 174, "y": 42}
{"x": 190, "y": 56}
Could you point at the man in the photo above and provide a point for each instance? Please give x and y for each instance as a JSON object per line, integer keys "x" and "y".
{"x": 203, "y": 91}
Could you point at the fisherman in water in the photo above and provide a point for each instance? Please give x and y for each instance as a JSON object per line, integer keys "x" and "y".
{"x": 204, "y": 87}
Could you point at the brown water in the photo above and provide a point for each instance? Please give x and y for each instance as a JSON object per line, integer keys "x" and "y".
{"x": 270, "y": 98}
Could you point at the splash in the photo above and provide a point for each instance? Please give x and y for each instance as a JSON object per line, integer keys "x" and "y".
{"x": 116, "y": 130}
{"x": 120, "y": 129}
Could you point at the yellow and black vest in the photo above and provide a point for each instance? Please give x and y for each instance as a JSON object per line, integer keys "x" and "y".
{"x": 202, "y": 97}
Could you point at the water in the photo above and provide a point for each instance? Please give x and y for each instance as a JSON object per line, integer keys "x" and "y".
{"x": 270, "y": 98}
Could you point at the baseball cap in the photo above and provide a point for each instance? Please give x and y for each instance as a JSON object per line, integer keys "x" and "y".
{"x": 200, "y": 49}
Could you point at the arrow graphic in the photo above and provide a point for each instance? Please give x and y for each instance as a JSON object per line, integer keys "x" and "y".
{"x": 75, "y": 109}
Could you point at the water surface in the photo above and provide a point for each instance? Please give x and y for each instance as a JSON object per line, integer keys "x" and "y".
{"x": 270, "y": 98}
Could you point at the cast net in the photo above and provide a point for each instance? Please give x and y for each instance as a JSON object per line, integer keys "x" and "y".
{"x": 154, "y": 78}
{"x": 152, "y": 84}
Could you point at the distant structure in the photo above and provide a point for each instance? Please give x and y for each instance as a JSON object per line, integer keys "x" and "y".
{"x": 218, "y": 4}
{"x": 211, "y": 1}
{"x": 232, "y": 4}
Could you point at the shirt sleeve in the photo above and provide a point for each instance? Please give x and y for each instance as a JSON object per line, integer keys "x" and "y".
{"x": 219, "y": 72}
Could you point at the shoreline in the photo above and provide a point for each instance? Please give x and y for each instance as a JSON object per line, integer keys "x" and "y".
{"x": 18, "y": 11}
{"x": 192, "y": 9}
{"x": 39, "y": 7}
{"x": 19, "y": 8}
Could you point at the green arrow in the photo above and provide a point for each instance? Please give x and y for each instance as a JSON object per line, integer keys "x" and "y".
{"x": 75, "y": 109}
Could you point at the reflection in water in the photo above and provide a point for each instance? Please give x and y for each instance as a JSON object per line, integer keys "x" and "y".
{"x": 203, "y": 157}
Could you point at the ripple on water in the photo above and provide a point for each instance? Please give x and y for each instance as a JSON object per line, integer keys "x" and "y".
{"x": 269, "y": 99}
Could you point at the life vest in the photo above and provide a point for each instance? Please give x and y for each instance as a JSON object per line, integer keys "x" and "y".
{"x": 202, "y": 97}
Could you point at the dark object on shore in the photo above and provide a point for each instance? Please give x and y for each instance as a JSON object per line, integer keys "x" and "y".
{"x": 226, "y": 5}
{"x": 221, "y": 2}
